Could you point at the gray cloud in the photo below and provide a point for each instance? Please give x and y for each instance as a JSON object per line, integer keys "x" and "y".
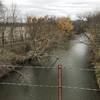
{"x": 55, "y": 7}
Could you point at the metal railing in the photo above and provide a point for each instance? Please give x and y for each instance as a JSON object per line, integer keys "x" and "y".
{"x": 48, "y": 86}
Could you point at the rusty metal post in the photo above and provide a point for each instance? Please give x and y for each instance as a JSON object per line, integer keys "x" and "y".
{"x": 59, "y": 82}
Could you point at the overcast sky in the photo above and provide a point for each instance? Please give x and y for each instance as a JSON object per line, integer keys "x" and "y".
{"x": 54, "y": 7}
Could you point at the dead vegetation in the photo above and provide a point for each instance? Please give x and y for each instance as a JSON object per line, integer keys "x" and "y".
{"x": 31, "y": 41}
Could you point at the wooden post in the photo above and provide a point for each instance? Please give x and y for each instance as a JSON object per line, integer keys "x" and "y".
{"x": 59, "y": 82}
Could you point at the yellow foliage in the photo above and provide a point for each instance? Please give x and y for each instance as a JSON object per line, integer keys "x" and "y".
{"x": 65, "y": 24}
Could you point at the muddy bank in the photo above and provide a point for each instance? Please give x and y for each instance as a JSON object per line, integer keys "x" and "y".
{"x": 4, "y": 71}
{"x": 20, "y": 62}
{"x": 94, "y": 62}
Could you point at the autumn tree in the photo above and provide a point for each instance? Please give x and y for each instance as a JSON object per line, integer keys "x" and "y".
{"x": 65, "y": 24}
{"x": 66, "y": 27}
{"x": 45, "y": 33}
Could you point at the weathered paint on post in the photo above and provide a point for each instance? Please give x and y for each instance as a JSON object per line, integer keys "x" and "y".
{"x": 59, "y": 82}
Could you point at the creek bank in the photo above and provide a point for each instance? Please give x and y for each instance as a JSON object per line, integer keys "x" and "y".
{"x": 97, "y": 66}
{"x": 9, "y": 58}
{"x": 94, "y": 62}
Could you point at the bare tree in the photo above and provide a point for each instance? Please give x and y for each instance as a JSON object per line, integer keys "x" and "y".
{"x": 12, "y": 20}
{"x": 3, "y": 20}
{"x": 1, "y": 11}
